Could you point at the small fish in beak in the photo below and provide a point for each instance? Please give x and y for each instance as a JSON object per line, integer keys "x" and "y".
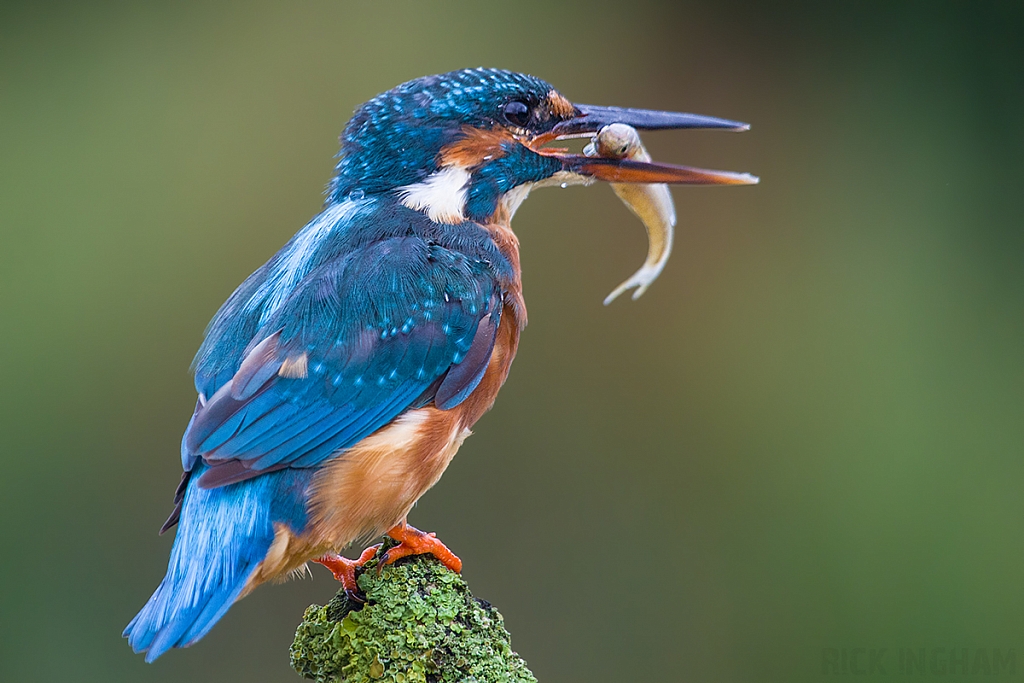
{"x": 616, "y": 155}
{"x": 651, "y": 202}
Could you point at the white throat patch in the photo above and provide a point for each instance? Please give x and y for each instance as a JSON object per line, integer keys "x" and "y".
{"x": 442, "y": 195}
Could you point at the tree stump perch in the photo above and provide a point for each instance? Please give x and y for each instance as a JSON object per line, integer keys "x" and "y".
{"x": 420, "y": 624}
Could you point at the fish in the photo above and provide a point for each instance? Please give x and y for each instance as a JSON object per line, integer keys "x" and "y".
{"x": 651, "y": 203}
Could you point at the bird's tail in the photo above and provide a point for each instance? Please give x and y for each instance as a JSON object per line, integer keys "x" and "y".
{"x": 223, "y": 535}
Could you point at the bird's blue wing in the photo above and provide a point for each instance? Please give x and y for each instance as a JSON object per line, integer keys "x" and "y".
{"x": 388, "y": 326}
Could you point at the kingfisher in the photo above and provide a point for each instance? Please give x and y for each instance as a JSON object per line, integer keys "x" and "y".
{"x": 339, "y": 379}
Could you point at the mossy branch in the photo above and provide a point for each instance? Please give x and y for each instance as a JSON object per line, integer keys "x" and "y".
{"x": 420, "y": 624}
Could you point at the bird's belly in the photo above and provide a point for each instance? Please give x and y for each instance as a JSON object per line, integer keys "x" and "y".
{"x": 372, "y": 487}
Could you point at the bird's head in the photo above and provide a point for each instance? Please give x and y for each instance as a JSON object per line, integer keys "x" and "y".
{"x": 470, "y": 144}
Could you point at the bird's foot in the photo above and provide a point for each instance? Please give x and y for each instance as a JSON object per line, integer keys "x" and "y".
{"x": 412, "y": 541}
{"x": 344, "y": 570}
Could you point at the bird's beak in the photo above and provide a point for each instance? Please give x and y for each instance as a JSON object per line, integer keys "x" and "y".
{"x": 590, "y": 119}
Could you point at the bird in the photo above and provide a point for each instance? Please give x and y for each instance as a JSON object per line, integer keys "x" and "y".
{"x": 337, "y": 382}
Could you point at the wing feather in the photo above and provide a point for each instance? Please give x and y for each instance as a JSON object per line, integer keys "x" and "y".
{"x": 384, "y": 327}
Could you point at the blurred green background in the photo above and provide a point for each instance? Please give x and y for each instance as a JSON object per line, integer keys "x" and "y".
{"x": 808, "y": 434}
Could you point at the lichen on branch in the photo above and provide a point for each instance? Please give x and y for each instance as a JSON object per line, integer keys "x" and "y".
{"x": 420, "y": 624}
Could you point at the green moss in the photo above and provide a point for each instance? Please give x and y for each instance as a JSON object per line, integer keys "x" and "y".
{"x": 420, "y": 624}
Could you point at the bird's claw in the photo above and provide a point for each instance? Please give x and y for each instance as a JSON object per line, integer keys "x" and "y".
{"x": 412, "y": 541}
{"x": 344, "y": 571}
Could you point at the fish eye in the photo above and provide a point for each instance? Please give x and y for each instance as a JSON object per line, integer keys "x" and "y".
{"x": 517, "y": 113}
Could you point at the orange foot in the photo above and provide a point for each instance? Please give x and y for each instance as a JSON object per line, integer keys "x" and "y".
{"x": 412, "y": 541}
{"x": 344, "y": 570}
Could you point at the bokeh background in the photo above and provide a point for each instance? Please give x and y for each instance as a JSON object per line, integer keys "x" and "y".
{"x": 808, "y": 434}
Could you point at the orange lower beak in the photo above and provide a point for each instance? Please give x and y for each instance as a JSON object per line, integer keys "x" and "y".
{"x": 630, "y": 171}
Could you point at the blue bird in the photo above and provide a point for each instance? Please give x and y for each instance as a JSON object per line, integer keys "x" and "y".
{"x": 338, "y": 381}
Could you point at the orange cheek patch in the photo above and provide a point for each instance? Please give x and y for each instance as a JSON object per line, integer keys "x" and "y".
{"x": 475, "y": 147}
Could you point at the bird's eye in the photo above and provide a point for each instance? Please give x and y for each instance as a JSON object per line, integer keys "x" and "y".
{"x": 517, "y": 113}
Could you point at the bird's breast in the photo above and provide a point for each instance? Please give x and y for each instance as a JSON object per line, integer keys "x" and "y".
{"x": 508, "y": 244}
